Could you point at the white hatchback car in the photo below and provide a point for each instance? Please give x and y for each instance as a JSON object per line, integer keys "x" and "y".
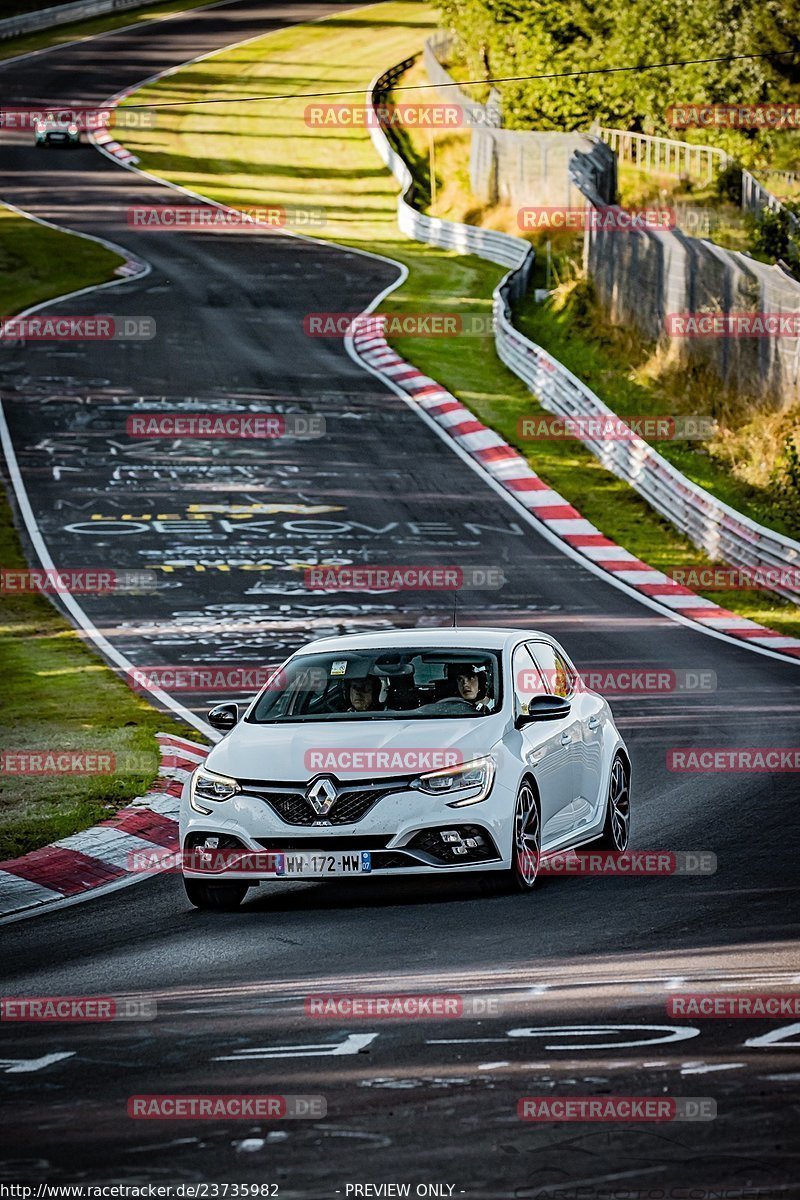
{"x": 412, "y": 753}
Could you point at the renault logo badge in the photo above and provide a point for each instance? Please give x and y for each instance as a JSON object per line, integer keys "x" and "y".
{"x": 322, "y": 796}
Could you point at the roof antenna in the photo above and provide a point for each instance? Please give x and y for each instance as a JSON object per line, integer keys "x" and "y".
{"x": 455, "y": 610}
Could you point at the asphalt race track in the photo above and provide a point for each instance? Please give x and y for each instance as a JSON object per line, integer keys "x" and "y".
{"x": 423, "y": 1101}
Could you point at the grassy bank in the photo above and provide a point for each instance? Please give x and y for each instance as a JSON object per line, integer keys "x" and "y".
{"x": 265, "y": 152}
{"x": 38, "y": 263}
{"x": 57, "y": 694}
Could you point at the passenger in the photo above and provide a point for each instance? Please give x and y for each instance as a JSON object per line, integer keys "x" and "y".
{"x": 316, "y": 685}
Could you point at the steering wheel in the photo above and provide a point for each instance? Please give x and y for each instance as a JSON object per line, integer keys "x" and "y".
{"x": 455, "y": 702}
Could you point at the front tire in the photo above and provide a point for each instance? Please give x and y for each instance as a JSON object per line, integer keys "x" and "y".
{"x": 617, "y": 829}
{"x": 215, "y": 897}
{"x": 527, "y": 840}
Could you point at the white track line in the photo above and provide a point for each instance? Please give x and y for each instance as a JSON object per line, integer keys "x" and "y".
{"x": 104, "y": 33}
{"x": 80, "y": 617}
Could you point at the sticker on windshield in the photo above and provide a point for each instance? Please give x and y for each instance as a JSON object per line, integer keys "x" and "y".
{"x": 339, "y": 667}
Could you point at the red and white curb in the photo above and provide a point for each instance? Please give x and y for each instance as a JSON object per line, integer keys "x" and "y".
{"x": 100, "y": 858}
{"x": 103, "y": 138}
{"x": 511, "y": 471}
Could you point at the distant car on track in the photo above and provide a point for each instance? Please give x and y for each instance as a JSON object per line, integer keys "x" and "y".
{"x": 407, "y": 753}
{"x": 49, "y": 132}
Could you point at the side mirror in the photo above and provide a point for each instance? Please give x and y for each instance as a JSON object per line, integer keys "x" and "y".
{"x": 224, "y": 716}
{"x": 543, "y": 708}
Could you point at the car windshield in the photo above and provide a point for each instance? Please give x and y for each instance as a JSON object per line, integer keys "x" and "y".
{"x": 357, "y": 685}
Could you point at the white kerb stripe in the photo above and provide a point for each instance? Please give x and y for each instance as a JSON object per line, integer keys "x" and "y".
{"x": 605, "y": 553}
{"x": 480, "y": 439}
{"x": 108, "y": 844}
{"x": 569, "y": 525}
{"x": 23, "y": 893}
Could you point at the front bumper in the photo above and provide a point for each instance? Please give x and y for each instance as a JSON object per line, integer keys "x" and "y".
{"x": 402, "y": 832}
{"x": 58, "y": 138}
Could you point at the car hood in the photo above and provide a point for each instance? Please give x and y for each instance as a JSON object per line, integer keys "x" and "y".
{"x": 352, "y": 749}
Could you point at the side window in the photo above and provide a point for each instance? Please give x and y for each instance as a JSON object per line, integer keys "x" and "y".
{"x": 559, "y": 679}
{"x": 527, "y": 679}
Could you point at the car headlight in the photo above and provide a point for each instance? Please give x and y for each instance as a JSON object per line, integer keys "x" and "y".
{"x": 476, "y": 774}
{"x": 206, "y": 785}
{"x": 72, "y": 128}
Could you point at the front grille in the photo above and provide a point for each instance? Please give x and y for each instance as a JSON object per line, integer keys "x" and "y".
{"x": 340, "y": 842}
{"x": 353, "y": 802}
{"x": 384, "y": 860}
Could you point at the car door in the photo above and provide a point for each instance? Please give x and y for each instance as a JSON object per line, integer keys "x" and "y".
{"x": 594, "y": 715}
{"x": 560, "y": 679}
{"x": 548, "y": 747}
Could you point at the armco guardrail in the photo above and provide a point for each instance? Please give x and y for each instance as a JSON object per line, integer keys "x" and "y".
{"x": 46, "y": 18}
{"x": 712, "y": 526}
{"x": 501, "y": 248}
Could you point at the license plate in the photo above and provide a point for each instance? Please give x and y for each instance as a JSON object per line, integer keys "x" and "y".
{"x": 356, "y": 862}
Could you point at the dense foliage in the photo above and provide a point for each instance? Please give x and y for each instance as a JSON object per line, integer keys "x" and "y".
{"x": 532, "y": 37}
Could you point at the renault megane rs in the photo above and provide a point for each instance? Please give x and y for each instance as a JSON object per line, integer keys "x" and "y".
{"x": 417, "y": 752}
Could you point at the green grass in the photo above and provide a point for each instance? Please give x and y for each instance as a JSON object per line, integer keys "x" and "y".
{"x": 38, "y": 263}
{"x": 261, "y": 153}
{"x": 60, "y": 34}
{"x": 610, "y": 373}
{"x": 57, "y": 694}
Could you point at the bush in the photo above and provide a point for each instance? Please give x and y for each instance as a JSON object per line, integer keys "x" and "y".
{"x": 786, "y": 480}
{"x": 776, "y": 236}
{"x": 729, "y": 184}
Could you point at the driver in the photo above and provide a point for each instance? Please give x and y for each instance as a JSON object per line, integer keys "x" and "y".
{"x": 364, "y": 694}
{"x": 472, "y": 685}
